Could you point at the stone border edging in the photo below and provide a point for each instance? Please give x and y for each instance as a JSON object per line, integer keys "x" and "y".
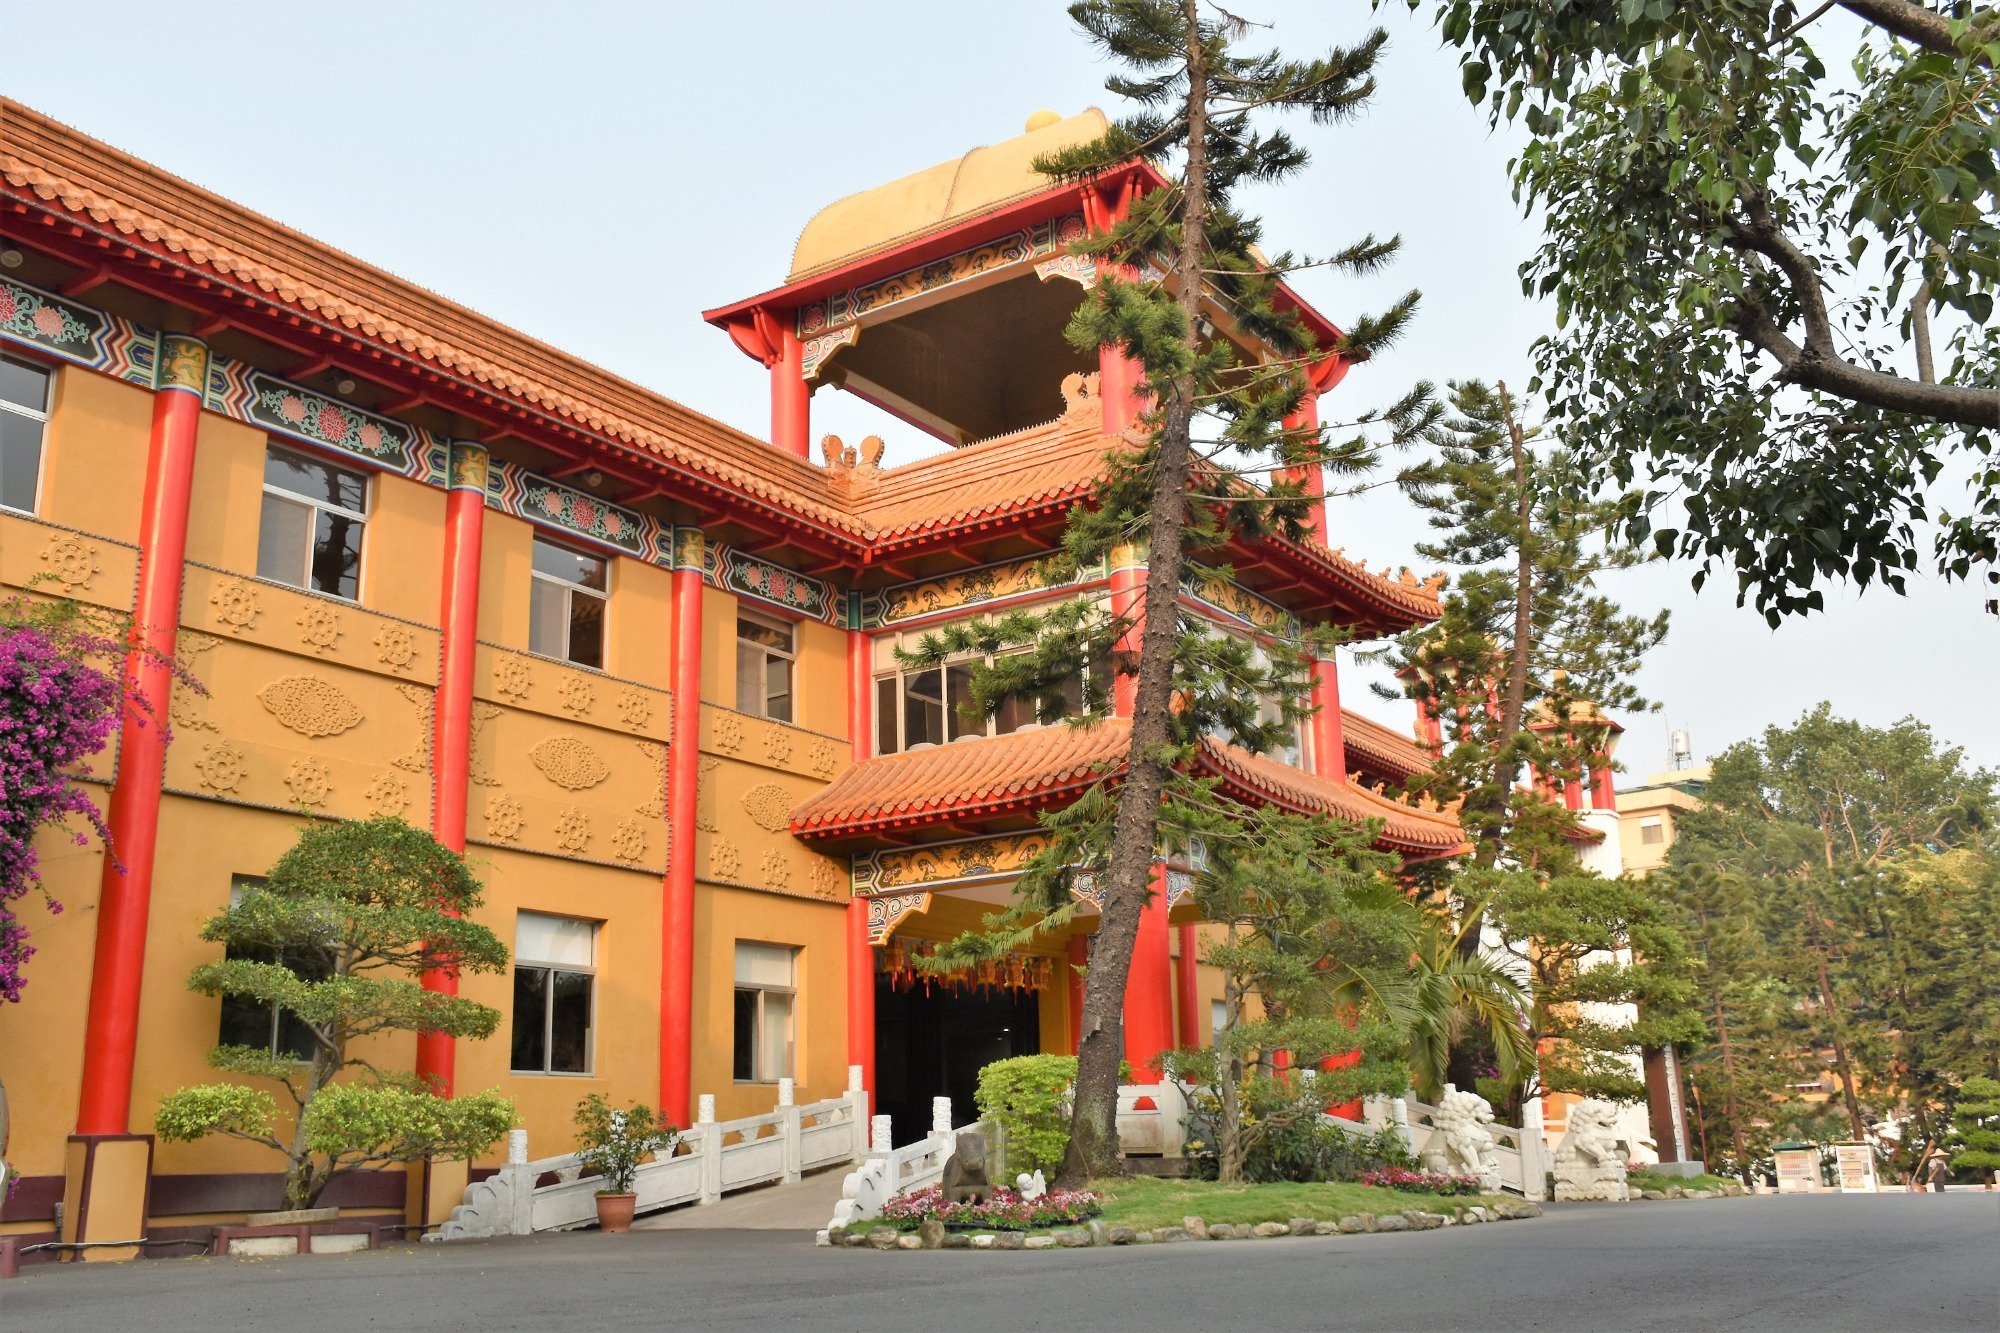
{"x": 1676, "y": 1192}
{"x": 933, "y": 1236}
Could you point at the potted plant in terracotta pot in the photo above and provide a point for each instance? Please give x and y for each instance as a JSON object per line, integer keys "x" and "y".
{"x": 612, "y": 1144}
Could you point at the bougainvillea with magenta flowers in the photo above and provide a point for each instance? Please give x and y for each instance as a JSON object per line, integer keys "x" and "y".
{"x": 57, "y": 708}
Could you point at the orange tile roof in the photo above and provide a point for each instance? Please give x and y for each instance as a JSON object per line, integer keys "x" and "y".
{"x": 1380, "y": 747}
{"x": 122, "y": 199}
{"x": 981, "y": 778}
{"x": 965, "y": 778}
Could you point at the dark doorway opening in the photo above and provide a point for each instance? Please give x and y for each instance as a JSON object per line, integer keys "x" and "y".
{"x": 933, "y": 1043}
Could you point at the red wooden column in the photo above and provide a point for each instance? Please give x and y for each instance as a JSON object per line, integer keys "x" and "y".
{"x": 1119, "y": 374}
{"x": 1186, "y": 998}
{"x": 791, "y": 396}
{"x": 1128, "y": 596}
{"x": 1603, "y": 793}
{"x": 1310, "y": 478}
{"x": 451, "y": 741}
{"x": 1329, "y": 733}
{"x": 1149, "y": 998}
{"x": 860, "y": 951}
{"x": 111, "y": 1024}
{"x": 677, "y": 895}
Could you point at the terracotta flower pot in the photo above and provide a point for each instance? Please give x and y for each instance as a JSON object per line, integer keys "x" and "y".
{"x": 614, "y": 1211}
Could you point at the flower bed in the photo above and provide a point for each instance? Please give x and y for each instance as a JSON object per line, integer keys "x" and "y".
{"x": 1421, "y": 1182}
{"x": 1005, "y": 1211}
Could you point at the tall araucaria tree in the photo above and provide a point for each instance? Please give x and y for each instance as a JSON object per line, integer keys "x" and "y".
{"x": 336, "y": 939}
{"x": 1175, "y": 487}
{"x": 1747, "y": 250}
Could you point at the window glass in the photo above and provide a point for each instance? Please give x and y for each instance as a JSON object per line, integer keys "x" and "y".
{"x": 310, "y": 531}
{"x": 885, "y": 715}
{"x": 916, "y": 707}
{"x": 763, "y": 964}
{"x": 764, "y": 652}
{"x": 267, "y": 1027}
{"x": 958, "y": 700}
{"x": 923, "y": 708}
{"x": 1652, "y": 831}
{"x": 743, "y": 1062}
{"x": 555, "y": 983}
{"x": 566, "y": 597}
{"x": 765, "y": 1012}
{"x": 24, "y": 413}
{"x": 774, "y": 1040}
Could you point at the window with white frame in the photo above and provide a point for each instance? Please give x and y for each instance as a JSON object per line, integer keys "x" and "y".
{"x": 314, "y": 515}
{"x": 555, "y": 993}
{"x": 24, "y": 420}
{"x": 766, "y": 1011}
{"x": 270, "y": 1028}
{"x": 1652, "y": 832}
{"x": 915, "y": 707}
{"x": 566, "y": 602}
{"x": 766, "y": 650}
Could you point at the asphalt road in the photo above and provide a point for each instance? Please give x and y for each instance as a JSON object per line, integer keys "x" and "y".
{"x": 1893, "y": 1261}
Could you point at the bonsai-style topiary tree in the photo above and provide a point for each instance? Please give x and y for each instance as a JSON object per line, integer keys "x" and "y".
{"x": 1977, "y": 1119}
{"x": 614, "y": 1144}
{"x": 336, "y": 938}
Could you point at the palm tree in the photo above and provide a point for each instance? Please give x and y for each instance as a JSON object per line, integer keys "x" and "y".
{"x": 1447, "y": 994}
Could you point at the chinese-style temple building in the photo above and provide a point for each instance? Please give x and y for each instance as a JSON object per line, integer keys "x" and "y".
{"x": 639, "y": 665}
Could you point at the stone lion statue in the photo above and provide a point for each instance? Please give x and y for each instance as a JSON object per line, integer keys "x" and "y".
{"x": 1590, "y": 1161}
{"x": 1464, "y": 1146}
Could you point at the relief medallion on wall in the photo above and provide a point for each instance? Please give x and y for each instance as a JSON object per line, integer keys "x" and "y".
{"x": 569, "y": 763}
{"x": 310, "y": 705}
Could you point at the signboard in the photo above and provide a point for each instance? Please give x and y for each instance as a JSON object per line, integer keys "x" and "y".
{"x": 1855, "y": 1163}
{"x": 1798, "y": 1170}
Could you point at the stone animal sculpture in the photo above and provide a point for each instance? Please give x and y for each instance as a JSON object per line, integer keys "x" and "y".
{"x": 1590, "y": 1161}
{"x": 965, "y": 1178}
{"x": 1468, "y": 1147}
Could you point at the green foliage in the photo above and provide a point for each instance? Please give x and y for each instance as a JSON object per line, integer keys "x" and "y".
{"x": 1977, "y": 1119}
{"x": 187, "y": 1114}
{"x": 1458, "y": 998}
{"x": 1744, "y": 249}
{"x": 1028, "y": 1096}
{"x": 1841, "y": 882}
{"x": 1304, "y": 1147}
{"x": 1586, "y": 941}
{"x": 391, "y": 1124}
{"x": 615, "y": 1143}
{"x": 355, "y": 912}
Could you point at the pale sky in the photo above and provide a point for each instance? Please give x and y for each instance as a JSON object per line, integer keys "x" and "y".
{"x": 596, "y": 174}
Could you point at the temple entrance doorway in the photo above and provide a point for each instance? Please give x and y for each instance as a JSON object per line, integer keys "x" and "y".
{"x": 933, "y": 1041}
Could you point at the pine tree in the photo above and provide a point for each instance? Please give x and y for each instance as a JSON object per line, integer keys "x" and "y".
{"x": 1977, "y": 1120}
{"x": 1178, "y": 491}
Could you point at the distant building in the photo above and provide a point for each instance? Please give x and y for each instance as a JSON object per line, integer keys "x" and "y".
{"x": 1648, "y": 815}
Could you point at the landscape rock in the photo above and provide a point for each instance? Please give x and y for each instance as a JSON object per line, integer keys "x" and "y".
{"x": 1141, "y": 1238}
{"x": 956, "y": 1240}
{"x": 821, "y": 1238}
{"x": 1652, "y": 1194}
{"x": 854, "y": 1240}
{"x": 1266, "y": 1230}
{"x": 909, "y": 1242}
{"x": 1012, "y": 1240}
{"x": 1121, "y": 1235}
{"x": 1042, "y": 1243}
{"x": 1099, "y": 1233}
{"x": 882, "y": 1238}
{"x": 1675, "y": 1192}
{"x": 1195, "y": 1227}
{"x": 1392, "y": 1222}
{"x": 1424, "y": 1221}
{"x": 1503, "y": 1212}
{"x": 1326, "y": 1228}
{"x": 1527, "y": 1210}
{"x": 1302, "y": 1226}
{"x": 1172, "y": 1235}
{"x": 982, "y": 1241}
{"x": 1472, "y": 1215}
{"x": 1348, "y": 1226}
{"x": 1071, "y": 1238}
{"x": 930, "y": 1234}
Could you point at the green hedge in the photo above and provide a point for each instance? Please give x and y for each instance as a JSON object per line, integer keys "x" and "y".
{"x": 1028, "y": 1097}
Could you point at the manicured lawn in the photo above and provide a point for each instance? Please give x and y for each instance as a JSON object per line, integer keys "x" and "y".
{"x": 1145, "y": 1202}
{"x": 1647, "y": 1179}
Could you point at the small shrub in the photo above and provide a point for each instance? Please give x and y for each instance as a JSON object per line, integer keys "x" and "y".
{"x": 1028, "y": 1097}
{"x": 1421, "y": 1182}
{"x": 1308, "y": 1150}
{"x": 1005, "y": 1211}
{"x": 612, "y": 1144}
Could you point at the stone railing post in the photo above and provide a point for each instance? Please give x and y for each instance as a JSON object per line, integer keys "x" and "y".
{"x": 1399, "y": 1116}
{"x": 711, "y": 1149}
{"x": 941, "y": 1117}
{"x": 881, "y": 1135}
{"x": 789, "y": 1125}
{"x": 857, "y": 1112}
{"x": 520, "y": 1185}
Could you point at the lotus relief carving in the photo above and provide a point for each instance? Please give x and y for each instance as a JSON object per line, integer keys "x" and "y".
{"x": 311, "y": 781}
{"x": 724, "y": 861}
{"x": 576, "y": 694}
{"x": 634, "y": 707}
{"x": 504, "y": 817}
{"x": 777, "y": 870}
{"x": 221, "y": 766}
{"x": 729, "y": 733}
{"x": 319, "y": 627}
{"x": 825, "y": 879}
{"x": 395, "y": 646}
{"x": 573, "y": 830}
{"x": 310, "y": 706}
{"x": 820, "y": 758}
{"x": 629, "y": 840}
{"x": 512, "y": 679}
{"x": 778, "y": 745}
{"x": 770, "y": 805}
{"x": 72, "y": 560}
{"x": 387, "y": 795}
{"x": 569, "y": 763}
{"x": 235, "y": 604}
